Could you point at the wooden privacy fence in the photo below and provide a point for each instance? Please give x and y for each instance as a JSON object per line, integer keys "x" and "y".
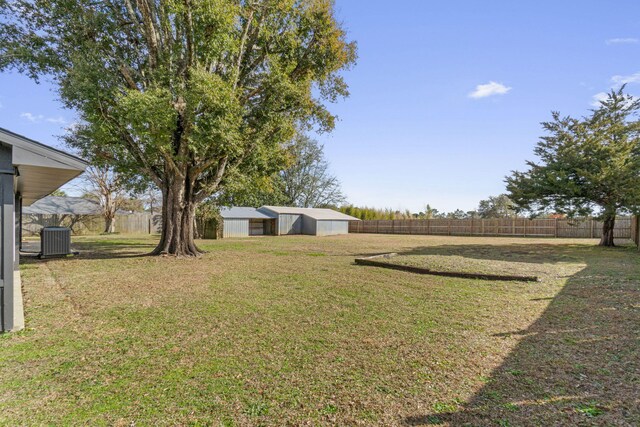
{"x": 579, "y": 228}
{"x": 136, "y": 223}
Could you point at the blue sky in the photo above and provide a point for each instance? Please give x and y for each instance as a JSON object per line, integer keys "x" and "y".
{"x": 411, "y": 133}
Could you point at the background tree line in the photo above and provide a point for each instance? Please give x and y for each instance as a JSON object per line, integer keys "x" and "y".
{"x": 493, "y": 207}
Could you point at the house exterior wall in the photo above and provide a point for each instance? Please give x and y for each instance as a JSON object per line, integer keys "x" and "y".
{"x": 7, "y": 242}
{"x": 28, "y": 171}
{"x": 17, "y": 219}
{"x": 331, "y": 227}
{"x": 235, "y": 228}
{"x": 289, "y": 224}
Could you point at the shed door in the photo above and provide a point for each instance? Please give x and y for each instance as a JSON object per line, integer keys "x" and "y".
{"x": 290, "y": 224}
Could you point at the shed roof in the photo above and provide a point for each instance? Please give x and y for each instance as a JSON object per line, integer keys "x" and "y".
{"x": 63, "y": 205}
{"x": 240, "y": 212}
{"x": 315, "y": 213}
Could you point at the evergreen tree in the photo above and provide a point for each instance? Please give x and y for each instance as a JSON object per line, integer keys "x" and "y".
{"x": 585, "y": 166}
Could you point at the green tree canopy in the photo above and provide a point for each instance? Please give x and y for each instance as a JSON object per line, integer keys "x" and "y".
{"x": 585, "y": 166}
{"x": 496, "y": 207}
{"x": 304, "y": 181}
{"x": 191, "y": 94}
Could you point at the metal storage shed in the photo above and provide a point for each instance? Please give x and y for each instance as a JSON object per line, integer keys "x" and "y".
{"x": 245, "y": 222}
{"x": 311, "y": 221}
{"x": 28, "y": 172}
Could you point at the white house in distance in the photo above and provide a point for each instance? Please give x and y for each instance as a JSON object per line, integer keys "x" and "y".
{"x": 282, "y": 220}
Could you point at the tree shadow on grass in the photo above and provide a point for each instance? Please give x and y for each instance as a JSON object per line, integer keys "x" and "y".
{"x": 516, "y": 252}
{"x": 579, "y": 363}
{"x": 92, "y": 250}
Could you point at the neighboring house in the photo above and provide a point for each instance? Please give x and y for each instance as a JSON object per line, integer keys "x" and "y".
{"x": 77, "y": 213}
{"x": 58, "y": 205}
{"x": 83, "y": 216}
{"x": 281, "y": 220}
{"x": 29, "y": 171}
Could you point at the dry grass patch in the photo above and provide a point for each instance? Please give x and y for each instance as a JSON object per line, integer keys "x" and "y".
{"x": 286, "y": 330}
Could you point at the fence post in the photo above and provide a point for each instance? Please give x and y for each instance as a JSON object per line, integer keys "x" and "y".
{"x": 592, "y": 228}
{"x": 482, "y": 226}
{"x": 524, "y": 226}
{"x": 556, "y": 229}
{"x": 378, "y": 227}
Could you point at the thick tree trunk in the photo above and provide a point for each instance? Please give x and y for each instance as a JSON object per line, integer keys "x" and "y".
{"x": 609, "y": 222}
{"x": 109, "y": 225}
{"x": 178, "y": 219}
{"x": 109, "y": 213}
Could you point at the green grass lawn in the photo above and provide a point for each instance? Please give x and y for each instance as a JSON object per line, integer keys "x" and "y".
{"x": 288, "y": 331}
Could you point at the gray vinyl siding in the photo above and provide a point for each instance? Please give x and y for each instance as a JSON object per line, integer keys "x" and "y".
{"x": 7, "y": 243}
{"x": 235, "y": 228}
{"x": 331, "y": 227}
{"x": 289, "y": 224}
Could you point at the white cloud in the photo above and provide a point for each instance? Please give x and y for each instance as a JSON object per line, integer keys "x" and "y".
{"x": 32, "y": 117}
{"x": 489, "y": 89}
{"x": 600, "y": 96}
{"x": 38, "y": 118}
{"x": 623, "y": 80}
{"x": 603, "y": 96}
{"x": 57, "y": 120}
{"x": 616, "y": 82}
{"x": 623, "y": 40}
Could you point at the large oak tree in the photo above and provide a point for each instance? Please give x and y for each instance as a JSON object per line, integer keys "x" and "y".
{"x": 587, "y": 165}
{"x": 189, "y": 93}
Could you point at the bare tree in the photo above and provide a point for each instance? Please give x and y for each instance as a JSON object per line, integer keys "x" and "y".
{"x": 108, "y": 189}
{"x": 152, "y": 199}
{"x": 308, "y": 181}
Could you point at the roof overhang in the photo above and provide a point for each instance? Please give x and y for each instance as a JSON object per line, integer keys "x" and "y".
{"x": 318, "y": 214}
{"x": 241, "y": 212}
{"x": 40, "y": 169}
